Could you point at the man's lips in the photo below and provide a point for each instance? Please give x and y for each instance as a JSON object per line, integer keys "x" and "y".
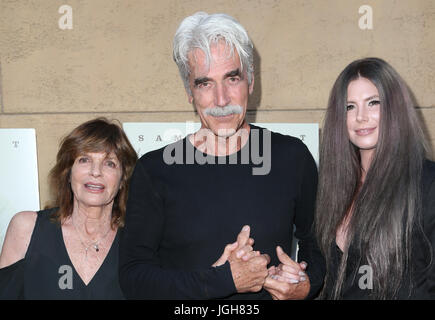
{"x": 224, "y": 118}
{"x": 365, "y": 131}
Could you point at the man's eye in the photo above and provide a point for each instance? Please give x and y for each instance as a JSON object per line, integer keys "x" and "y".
{"x": 203, "y": 85}
{"x": 234, "y": 79}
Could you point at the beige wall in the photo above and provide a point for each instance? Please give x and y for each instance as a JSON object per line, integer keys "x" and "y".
{"x": 116, "y": 61}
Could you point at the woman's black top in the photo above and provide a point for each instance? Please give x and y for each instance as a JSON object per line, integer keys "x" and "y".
{"x": 357, "y": 283}
{"x": 46, "y": 272}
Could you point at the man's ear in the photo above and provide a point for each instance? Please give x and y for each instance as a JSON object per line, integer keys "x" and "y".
{"x": 251, "y": 86}
{"x": 189, "y": 96}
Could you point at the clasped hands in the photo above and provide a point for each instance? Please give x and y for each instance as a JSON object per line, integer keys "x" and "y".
{"x": 249, "y": 269}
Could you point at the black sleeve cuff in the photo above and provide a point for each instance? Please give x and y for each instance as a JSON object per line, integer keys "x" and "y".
{"x": 224, "y": 286}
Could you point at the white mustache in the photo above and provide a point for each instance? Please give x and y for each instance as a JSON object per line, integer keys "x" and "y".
{"x": 223, "y": 111}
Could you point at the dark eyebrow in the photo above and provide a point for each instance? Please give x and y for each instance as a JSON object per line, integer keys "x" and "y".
{"x": 233, "y": 73}
{"x": 198, "y": 81}
{"x": 367, "y": 99}
{"x": 372, "y": 97}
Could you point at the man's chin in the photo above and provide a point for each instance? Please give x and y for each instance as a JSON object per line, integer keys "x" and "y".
{"x": 217, "y": 132}
{"x": 228, "y": 131}
{"x": 224, "y": 132}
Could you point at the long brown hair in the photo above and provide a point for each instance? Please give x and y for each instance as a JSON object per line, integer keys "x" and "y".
{"x": 97, "y": 135}
{"x": 386, "y": 207}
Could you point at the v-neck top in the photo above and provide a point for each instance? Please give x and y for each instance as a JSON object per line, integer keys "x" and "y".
{"x": 46, "y": 272}
{"x": 356, "y": 285}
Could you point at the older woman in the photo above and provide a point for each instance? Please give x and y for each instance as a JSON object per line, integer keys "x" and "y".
{"x": 71, "y": 251}
{"x": 375, "y": 217}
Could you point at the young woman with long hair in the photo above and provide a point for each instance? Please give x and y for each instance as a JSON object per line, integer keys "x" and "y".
{"x": 375, "y": 217}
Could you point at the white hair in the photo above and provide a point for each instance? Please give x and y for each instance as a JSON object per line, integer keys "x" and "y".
{"x": 201, "y": 30}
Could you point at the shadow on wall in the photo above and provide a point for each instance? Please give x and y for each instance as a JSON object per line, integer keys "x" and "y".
{"x": 255, "y": 98}
{"x": 424, "y": 126}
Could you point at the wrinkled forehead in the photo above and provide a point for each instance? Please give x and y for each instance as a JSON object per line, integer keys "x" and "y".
{"x": 219, "y": 53}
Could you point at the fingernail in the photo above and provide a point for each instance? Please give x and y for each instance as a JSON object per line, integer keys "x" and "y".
{"x": 239, "y": 254}
{"x": 301, "y": 273}
{"x": 293, "y": 281}
{"x": 303, "y": 278}
{"x": 245, "y": 228}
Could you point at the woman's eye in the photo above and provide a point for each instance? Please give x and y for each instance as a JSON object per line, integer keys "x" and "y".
{"x": 349, "y": 107}
{"x": 83, "y": 160}
{"x": 111, "y": 164}
{"x": 374, "y": 102}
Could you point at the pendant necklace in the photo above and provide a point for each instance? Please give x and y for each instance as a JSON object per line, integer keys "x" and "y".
{"x": 94, "y": 244}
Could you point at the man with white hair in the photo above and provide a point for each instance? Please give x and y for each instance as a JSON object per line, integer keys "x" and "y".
{"x": 191, "y": 198}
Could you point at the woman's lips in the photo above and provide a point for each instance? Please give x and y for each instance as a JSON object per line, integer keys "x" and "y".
{"x": 365, "y": 131}
{"x": 94, "y": 187}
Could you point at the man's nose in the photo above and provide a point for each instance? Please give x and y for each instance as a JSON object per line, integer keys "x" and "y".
{"x": 222, "y": 97}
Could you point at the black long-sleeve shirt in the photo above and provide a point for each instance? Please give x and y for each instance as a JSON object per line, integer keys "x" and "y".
{"x": 180, "y": 217}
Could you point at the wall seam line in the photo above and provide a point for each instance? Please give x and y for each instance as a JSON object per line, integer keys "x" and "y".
{"x": 1, "y": 89}
{"x": 151, "y": 112}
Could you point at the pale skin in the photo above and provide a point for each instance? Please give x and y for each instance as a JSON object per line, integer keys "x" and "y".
{"x": 220, "y": 84}
{"x": 288, "y": 280}
{"x": 284, "y": 282}
{"x": 95, "y": 180}
{"x": 363, "y": 116}
{"x": 248, "y": 267}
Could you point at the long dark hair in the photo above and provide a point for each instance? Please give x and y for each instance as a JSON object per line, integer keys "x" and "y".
{"x": 97, "y": 135}
{"x": 386, "y": 207}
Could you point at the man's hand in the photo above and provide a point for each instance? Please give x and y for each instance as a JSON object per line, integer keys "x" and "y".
{"x": 244, "y": 248}
{"x": 248, "y": 267}
{"x": 249, "y": 272}
{"x": 249, "y": 276}
{"x": 288, "y": 280}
